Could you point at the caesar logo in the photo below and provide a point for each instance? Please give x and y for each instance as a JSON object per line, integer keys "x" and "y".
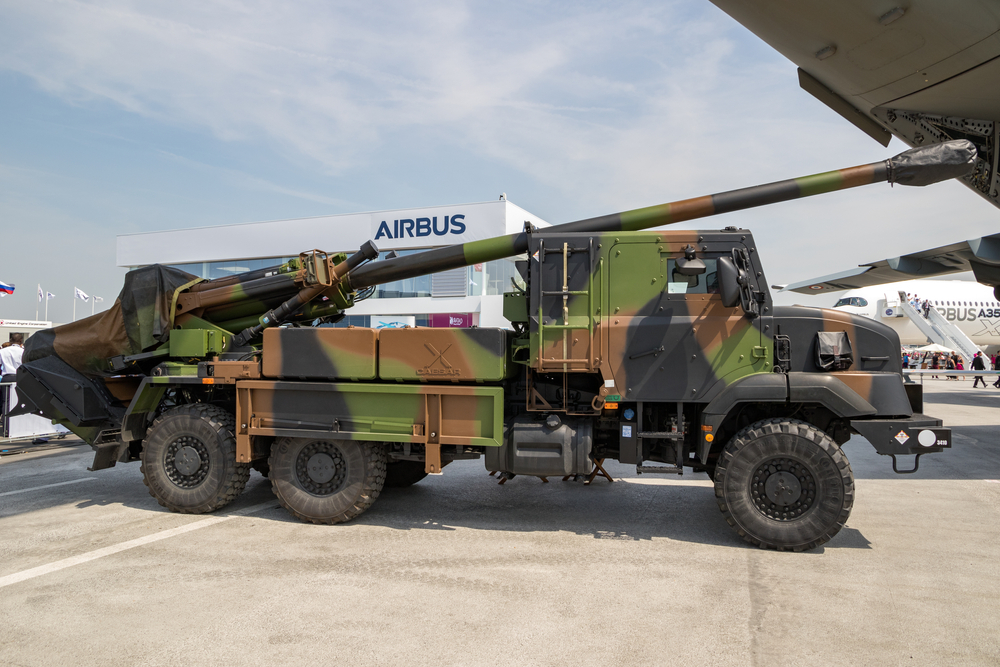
{"x": 445, "y": 369}
{"x": 409, "y": 227}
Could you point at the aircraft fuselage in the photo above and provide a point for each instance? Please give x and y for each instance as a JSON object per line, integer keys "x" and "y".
{"x": 970, "y": 306}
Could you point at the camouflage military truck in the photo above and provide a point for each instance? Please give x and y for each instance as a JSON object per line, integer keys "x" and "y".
{"x": 661, "y": 349}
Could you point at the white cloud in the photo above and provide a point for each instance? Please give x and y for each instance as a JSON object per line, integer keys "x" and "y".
{"x": 624, "y": 92}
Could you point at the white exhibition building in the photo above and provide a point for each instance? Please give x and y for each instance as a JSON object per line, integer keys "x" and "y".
{"x": 470, "y": 296}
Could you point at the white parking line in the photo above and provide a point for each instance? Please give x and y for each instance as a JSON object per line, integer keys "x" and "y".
{"x": 664, "y": 481}
{"x": 48, "y": 486}
{"x": 18, "y": 577}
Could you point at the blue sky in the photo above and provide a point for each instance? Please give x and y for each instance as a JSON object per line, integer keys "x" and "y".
{"x": 122, "y": 117}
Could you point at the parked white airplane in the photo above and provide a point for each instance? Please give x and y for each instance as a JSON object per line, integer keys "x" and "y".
{"x": 968, "y": 305}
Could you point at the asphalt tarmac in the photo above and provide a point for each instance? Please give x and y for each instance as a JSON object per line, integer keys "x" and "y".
{"x": 457, "y": 570}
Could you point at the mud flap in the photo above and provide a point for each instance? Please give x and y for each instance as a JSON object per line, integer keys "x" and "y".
{"x": 916, "y": 435}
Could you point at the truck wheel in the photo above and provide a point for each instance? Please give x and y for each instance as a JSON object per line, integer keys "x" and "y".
{"x": 189, "y": 459}
{"x": 784, "y": 484}
{"x": 326, "y": 481}
{"x": 400, "y": 474}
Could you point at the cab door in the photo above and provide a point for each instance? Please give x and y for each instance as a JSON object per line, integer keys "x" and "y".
{"x": 670, "y": 338}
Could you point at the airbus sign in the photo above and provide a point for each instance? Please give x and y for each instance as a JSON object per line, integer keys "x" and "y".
{"x": 436, "y": 226}
{"x": 417, "y": 227}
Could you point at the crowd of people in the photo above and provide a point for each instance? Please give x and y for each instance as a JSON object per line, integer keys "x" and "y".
{"x": 948, "y": 361}
{"x": 923, "y": 306}
{"x": 954, "y": 362}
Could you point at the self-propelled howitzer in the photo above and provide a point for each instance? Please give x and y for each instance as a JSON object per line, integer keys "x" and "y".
{"x": 657, "y": 348}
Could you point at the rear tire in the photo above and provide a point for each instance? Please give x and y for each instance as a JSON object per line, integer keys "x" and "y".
{"x": 326, "y": 481}
{"x": 400, "y": 474}
{"x": 784, "y": 484}
{"x": 189, "y": 459}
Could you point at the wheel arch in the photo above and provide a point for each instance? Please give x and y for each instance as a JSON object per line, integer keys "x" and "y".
{"x": 819, "y": 396}
{"x": 148, "y": 401}
{"x": 142, "y": 409}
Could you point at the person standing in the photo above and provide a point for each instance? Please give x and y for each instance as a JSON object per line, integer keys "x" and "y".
{"x": 996, "y": 367}
{"x": 978, "y": 365}
{"x": 10, "y": 358}
{"x": 949, "y": 365}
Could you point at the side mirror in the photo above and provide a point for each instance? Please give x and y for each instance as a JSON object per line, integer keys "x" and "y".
{"x": 691, "y": 267}
{"x": 729, "y": 282}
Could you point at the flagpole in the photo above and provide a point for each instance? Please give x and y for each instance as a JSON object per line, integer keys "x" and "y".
{"x": 74, "y": 303}
{"x": 46, "y": 306}
{"x": 93, "y": 302}
{"x": 39, "y": 300}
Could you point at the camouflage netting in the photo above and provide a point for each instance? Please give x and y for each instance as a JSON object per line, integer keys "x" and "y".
{"x": 140, "y": 319}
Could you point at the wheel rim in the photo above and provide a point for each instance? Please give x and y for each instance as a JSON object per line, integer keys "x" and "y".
{"x": 783, "y": 489}
{"x": 320, "y": 468}
{"x": 186, "y": 462}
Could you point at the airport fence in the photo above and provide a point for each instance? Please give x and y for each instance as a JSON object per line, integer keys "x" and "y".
{"x": 944, "y": 373}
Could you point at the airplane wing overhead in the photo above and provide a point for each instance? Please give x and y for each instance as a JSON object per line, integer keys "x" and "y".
{"x": 925, "y": 71}
{"x": 981, "y": 256}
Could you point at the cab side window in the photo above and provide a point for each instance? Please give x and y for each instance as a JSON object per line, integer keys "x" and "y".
{"x": 706, "y": 283}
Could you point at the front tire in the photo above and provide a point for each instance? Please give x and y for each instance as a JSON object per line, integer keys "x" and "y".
{"x": 189, "y": 459}
{"x": 326, "y": 481}
{"x": 784, "y": 484}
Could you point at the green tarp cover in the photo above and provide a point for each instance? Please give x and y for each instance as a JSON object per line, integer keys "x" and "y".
{"x": 140, "y": 319}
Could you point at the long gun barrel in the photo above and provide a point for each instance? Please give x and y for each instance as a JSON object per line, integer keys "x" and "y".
{"x": 917, "y": 166}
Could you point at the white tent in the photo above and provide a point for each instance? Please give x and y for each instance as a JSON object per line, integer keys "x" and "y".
{"x": 934, "y": 347}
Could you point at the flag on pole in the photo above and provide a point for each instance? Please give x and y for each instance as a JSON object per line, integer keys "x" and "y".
{"x": 6, "y": 289}
{"x": 49, "y": 295}
{"x": 81, "y": 295}
{"x": 40, "y": 295}
{"x": 98, "y": 299}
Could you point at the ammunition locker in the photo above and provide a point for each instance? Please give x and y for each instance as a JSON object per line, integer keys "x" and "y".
{"x": 442, "y": 355}
{"x": 320, "y": 353}
{"x": 439, "y": 415}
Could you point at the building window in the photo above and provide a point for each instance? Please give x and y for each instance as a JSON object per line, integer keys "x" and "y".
{"x": 403, "y": 289}
{"x": 214, "y": 270}
{"x": 491, "y": 278}
{"x": 367, "y": 321}
{"x": 487, "y": 278}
